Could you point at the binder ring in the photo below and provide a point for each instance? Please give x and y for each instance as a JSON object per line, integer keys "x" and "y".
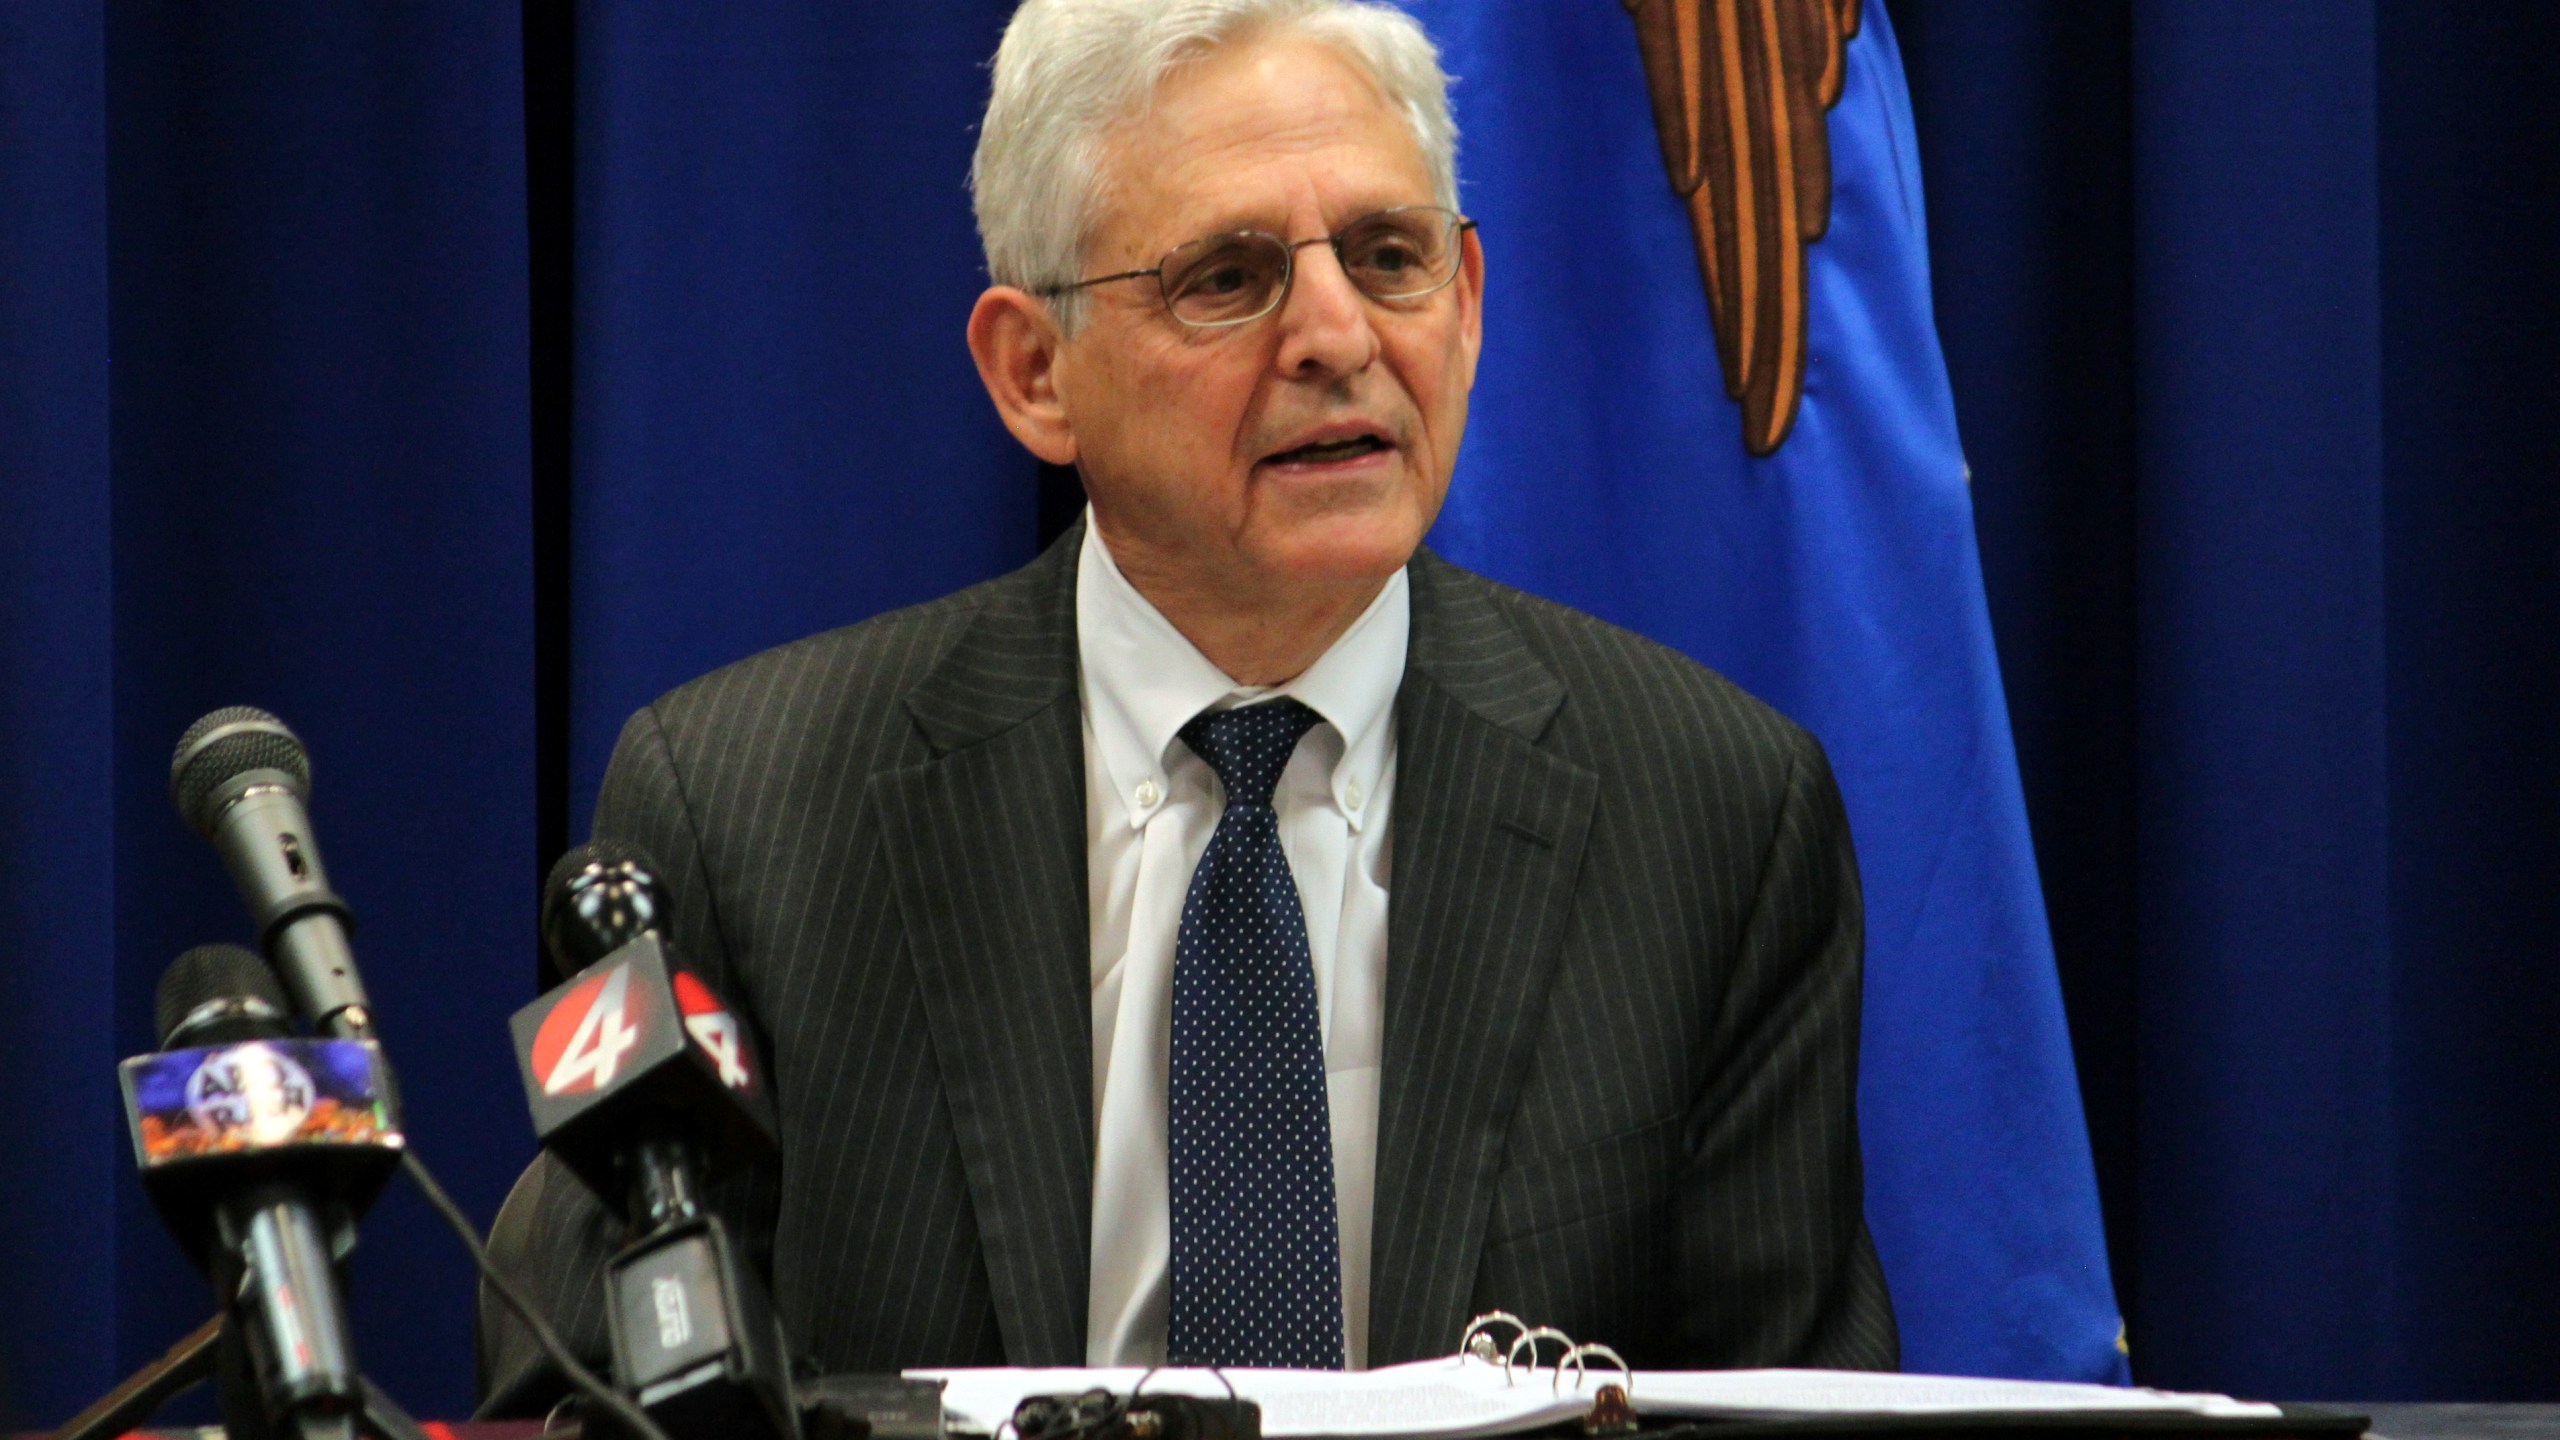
{"x": 1626, "y": 1374}
{"x": 1154, "y": 1370}
{"x": 1531, "y": 1338}
{"x": 1481, "y": 1345}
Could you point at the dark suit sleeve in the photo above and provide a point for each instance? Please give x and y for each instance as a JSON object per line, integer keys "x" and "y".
{"x": 553, "y": 1235}
{"x": 1770, "y": 1203}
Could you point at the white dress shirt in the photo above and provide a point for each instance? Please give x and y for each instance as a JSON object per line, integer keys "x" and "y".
{"x": 1150, "y": 805}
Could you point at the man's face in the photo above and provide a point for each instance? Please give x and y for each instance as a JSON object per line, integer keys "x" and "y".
{"x": 1185, "y": 437}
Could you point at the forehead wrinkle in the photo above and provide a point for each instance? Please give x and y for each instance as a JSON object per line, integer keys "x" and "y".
{"x": 1180, "y": 149}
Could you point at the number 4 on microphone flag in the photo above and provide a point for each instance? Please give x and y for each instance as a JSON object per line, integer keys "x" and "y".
{"x": 1712, "y": 408}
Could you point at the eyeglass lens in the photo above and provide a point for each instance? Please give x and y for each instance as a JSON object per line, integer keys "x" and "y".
{"x": 1393, "y": 255}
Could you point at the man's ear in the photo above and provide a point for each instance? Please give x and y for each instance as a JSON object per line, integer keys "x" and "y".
{"x": 1470, "y": 299}
{"x": 1015, "y": 342}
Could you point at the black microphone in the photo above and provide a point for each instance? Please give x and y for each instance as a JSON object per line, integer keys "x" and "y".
{"x": 600, "y": 897}
{"x": 259, "y": 1148}
{"x": 634, "y": 1059}
{"x": 643, "y": 1084}
{"x": 239, "y": 778}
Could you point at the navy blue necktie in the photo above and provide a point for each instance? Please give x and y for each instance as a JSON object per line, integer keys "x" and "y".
{"x": 1257, "y": 1277}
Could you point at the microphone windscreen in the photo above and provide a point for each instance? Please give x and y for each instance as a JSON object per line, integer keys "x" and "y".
{"x": 599, "y": 897}
{"x": 235, "y": 977}
{"x": 226, "y": 743}
{"x": 598, "y": 855}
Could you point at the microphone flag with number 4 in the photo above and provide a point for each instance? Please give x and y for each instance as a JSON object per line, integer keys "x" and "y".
{"x": 583, "y": 1037}
{"x": 1818, "y": 550}
{"x": 633, "y": 1043}
{"x": 714, "y": 1029}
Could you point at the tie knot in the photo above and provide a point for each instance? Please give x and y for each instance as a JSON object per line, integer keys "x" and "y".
{"x": 1249, "y": 746}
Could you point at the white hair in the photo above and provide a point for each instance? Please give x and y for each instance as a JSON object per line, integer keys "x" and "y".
{"x": 1070, "y": 70}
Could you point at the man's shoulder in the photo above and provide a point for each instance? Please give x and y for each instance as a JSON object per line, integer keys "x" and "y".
{"x": 1621, "y": 689}
{"x": 845, "y": 686}
{"x": 886, "y": 644}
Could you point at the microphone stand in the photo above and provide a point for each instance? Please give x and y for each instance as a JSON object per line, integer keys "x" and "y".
{"x": 190, "y": 1363}
{"x": 139, "y": 1395}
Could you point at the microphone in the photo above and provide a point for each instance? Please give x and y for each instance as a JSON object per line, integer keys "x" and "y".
{"x": 238, "y": 778}
{"x": 643, "y": 1084}
{"x": 259, "y": 1148}
{"x": 633, "y": 1059}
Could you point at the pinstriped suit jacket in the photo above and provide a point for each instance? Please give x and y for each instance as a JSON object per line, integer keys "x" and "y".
{"x": 1622, "y": 993}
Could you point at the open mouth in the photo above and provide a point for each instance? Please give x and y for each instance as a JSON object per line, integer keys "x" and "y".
{"x": 1330, "y": 452}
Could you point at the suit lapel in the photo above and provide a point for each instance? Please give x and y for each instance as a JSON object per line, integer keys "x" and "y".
{"x": 986, "y": 843}
{"x": 1489, "y": 833}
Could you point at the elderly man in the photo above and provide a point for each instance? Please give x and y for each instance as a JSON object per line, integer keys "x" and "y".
{"x": 1240, "y": 936}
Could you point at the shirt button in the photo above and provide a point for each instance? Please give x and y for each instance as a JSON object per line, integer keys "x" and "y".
{"x": 1149, "y": 792}
{"x": 1351, "y": 795}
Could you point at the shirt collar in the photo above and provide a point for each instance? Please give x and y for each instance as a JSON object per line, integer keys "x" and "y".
{"x": 1142, "y": 680}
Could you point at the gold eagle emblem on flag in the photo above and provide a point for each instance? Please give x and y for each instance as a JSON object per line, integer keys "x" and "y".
{"x": 1741, "y": 93}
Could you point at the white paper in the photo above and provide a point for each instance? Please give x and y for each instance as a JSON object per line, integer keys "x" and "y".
{"x": 1453, "y": 1399}
{"x": 1442, "y": 1399}
{"x": 1860, "y": 1392}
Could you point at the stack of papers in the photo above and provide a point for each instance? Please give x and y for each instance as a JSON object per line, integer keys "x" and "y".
{"x": 1454, "y": 1399}
{"x": 1701, "y": 1394}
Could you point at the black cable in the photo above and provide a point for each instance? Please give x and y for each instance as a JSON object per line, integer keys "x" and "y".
{"x": 1098, "y": 1414}
{"x": 579, "y": 1375}
{"x": 1068, "y": 1417}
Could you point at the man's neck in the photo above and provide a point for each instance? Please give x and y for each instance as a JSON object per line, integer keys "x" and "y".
{"x": 1256, "y": 639}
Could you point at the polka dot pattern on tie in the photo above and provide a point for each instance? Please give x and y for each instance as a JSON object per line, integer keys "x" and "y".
{"x": 1257, "y": 1276}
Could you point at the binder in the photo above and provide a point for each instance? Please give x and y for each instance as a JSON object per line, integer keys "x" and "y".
{"x": 1675, "y": 1410}
{"x": 1509, "y": 1377}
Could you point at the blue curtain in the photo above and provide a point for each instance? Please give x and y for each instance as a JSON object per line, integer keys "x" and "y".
{"x": 450, "y": 380}
{"x": 776, "y": 427}
{"x": 58, "y": 1029}
{"x": 2257, "y": 357}
{"x": 263, "y": 419}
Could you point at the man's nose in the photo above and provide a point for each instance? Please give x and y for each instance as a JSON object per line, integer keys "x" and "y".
{"x": 1324, "y": 320}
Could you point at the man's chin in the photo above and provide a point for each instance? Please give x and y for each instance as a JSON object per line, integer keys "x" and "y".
{"x": 1358, "y": 526}
{"x": 1336, "y": 550}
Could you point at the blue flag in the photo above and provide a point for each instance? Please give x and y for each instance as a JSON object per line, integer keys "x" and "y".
{"x": 1836, "y": 578}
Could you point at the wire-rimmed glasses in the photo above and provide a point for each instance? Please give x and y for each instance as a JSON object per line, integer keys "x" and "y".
{"x": 1218, "y": 280}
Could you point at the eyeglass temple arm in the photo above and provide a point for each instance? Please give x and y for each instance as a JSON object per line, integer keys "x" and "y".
{"x": 1098, "y": 280}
